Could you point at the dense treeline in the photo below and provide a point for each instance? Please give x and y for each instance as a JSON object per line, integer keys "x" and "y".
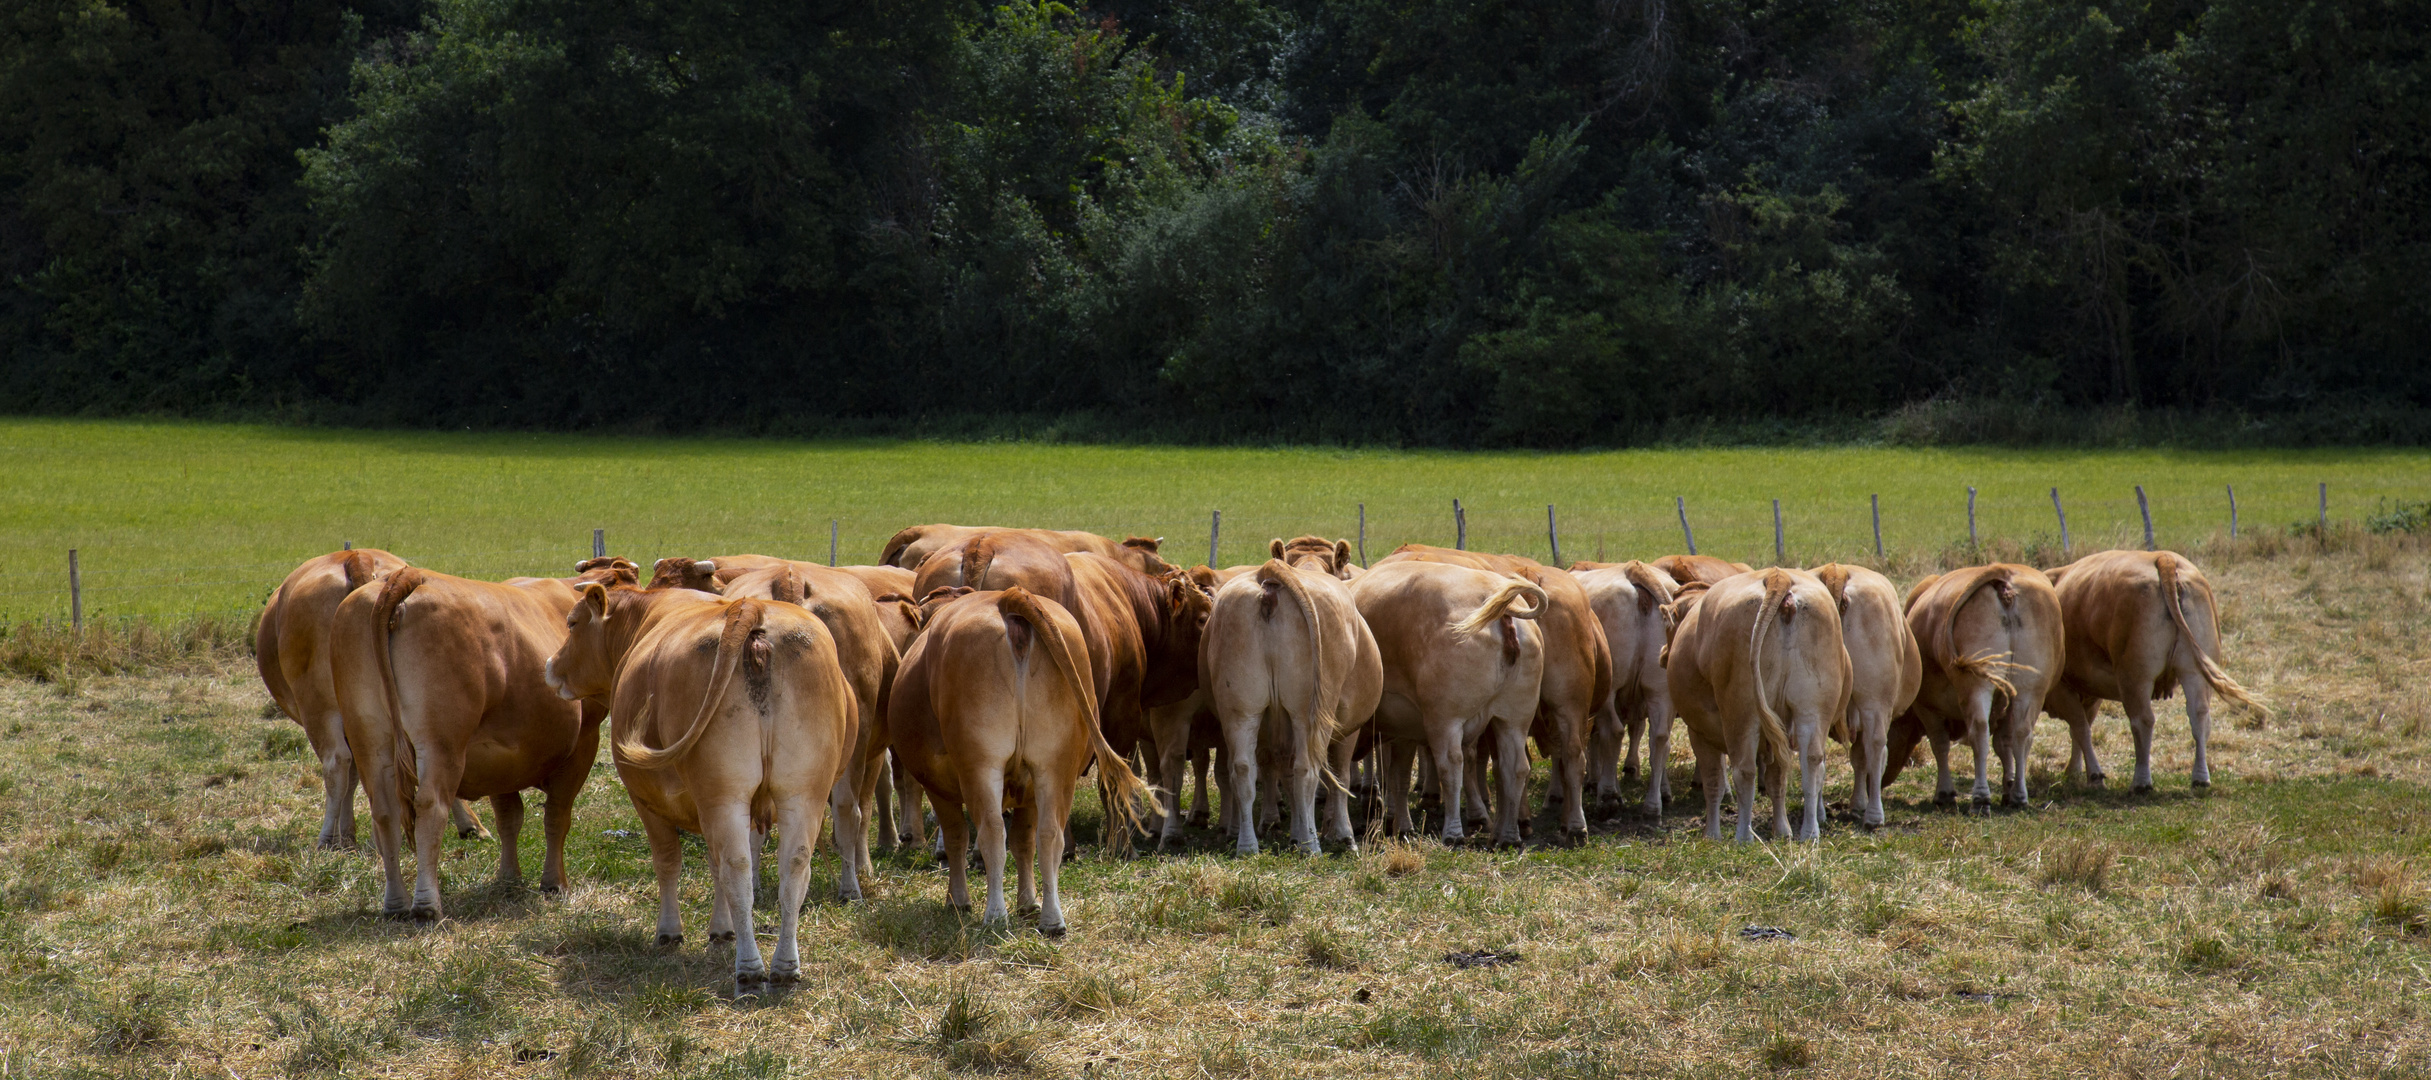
{"x": 1534, "y": 222}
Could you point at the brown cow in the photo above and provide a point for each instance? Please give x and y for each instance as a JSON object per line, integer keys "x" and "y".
{"x": 1462, "y": 656}
{"x": 1992, "y": 642}
{"x": 995, "y": 713}
{"x": 996, "y": 560}
{"x": 1577, "y": 678}
{"x": 731, "y": 716}
{"x": 866, "y": 649}
{"x": 914, "y": 546}
{"x": 2139, "y": 623}
{"x": 1757, "y": 668}
{"x": 1143, "y": 637}
{"x": 1885, "y": 670}
{"x": 291, "y": 649}
{"x": 1694, "y": 568}
{"x": 1629, "y": 600}
{"x": 1288, "y": 657}
{"x": 442, "y": 683}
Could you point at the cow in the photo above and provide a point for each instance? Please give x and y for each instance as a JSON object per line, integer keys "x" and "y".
{"x": 1289, "y": 658}
{"x": 1992, "y": 642}
{"x": 995, "y": 713}
{"x": 1143, "y": 636}
{"x": 914, "y": 546}
{"x": 1577, "y": 678}
{"x": 1885, "y": 670}
{"x": 1705, "y": 568}
{"x": 291, "y": 649}
{"x": 996, "y": 560}
{"x": 442, "y": 684}
{"x": 1629, "y": 600}
{"x": 677, "y": 572}
{"x": 732, "y": 716}
{"x": 2139, "y": 624}
{"x": 1462, "y": 656}
{"x": 1757, "y": 668}
{"x": 865, "y": 647}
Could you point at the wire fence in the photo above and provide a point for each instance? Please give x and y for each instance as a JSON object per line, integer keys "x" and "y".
{"x": 1869, "y": 529}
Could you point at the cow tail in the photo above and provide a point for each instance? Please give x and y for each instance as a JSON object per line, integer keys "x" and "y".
{"x": 1991, "y": 668}
{"x": 1324, "y": 698}
{"x": 1500, "y": 605}
{"x": 383, "y": 620}
{"x": 1125, "y": 790}
{"x": 743, "y": 617}
{"x": 976, "y": 555}
{"x": 1651, "y": 592}
{"x": 1776, "y": 738}
{"x": 2221, "y": 684}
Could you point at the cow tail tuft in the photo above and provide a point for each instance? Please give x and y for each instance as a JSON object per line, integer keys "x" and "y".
{"x": 2228, "y": 688}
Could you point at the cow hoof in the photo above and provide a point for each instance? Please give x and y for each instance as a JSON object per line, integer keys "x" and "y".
{"x": 2143, "y": 789}
{"x": 2201, "y": 785}
{"x": 670, "y": 940}
{"x": 848, "y": 896}
{"x": 425, "y": 914}
{"x": 1055, "y": 931}
{"x": 1198, "y": 821}
{"x": 1574, "y": 837}
{"x": 1629, "y": 772}
{"x": 784, "y": 974}
{"x": 547, "y": 889}
{"x": 2095, "y": 782}
{"x": 470, "y": 834}
{"x": 721, "y": 937}
{"x": 396, "y": 914}
{"x": 1945, "y": 798}
{"x": 749, "y": 989}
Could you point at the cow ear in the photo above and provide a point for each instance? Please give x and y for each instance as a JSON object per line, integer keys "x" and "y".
{"x": 1342, "y": 554}
{"x": 1206, "y": 578}
{"x": 594, "y": 602}
{"x": 1274, "y": 549}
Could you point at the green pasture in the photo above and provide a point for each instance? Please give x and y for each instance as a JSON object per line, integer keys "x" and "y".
{"x": 179, "y": 517}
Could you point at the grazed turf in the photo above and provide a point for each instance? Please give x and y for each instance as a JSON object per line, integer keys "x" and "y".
{"x": 164, "y": 911}
{"x": 180, "y": 518}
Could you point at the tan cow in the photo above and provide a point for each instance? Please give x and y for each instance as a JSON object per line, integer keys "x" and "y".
{"x": 913, "y": 547}
{"x": 1462, "y": 658}
{"x": 1577, "y": 678}
{"x": 864, "y": 646}
{"x": 291, "y": 649}
{"x": 1885, "y": 669}
{"x": 2139, "y": 624}
{"x": 995, "y": 713}
{"x": 1699, "y": 568}
{"x": 1289, "y": 662}
{"x": 997, "y": 560}
{"x": 1991, "y": 639}
{"x": 1329, "y": 557}
{"x": 732, "y": 716}
{"x": 1629, "y": 600}
{"x": 1143, "y": 635}
{"x": 1757, "y": 668}
{"x": 442, "y": 684}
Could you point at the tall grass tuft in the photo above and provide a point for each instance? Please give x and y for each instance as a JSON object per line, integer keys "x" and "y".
{"x": 194, "y": 644}
{"x": 2080, "y": 864}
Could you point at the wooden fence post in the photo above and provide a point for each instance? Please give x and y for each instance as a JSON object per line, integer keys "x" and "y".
{"x": 75, "y": 593}
{"x": 2232, "y": 511}
{"x": 599, "y": 543}
{"x": 1215, "y": 529}
{"x": 2322, "y": 529}
{"x": 1460, "y": 527}
{"x": 1363, "y": 535}
{"x": 1972, "y": 545}
{"x": 1877, "y": 500}
{"x": 2063, "y": 512}
{"x": 834, "y": 525}
{"x": 1680, "y": 502}
{"x": 2145, "y": 507}
{"x": 1553, "y": 534}
{"x": 1778, "y": 556}
{"x": 346, "y": 545}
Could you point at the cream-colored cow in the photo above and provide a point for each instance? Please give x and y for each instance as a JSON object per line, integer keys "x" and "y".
{"x": 2139, "y": 624}
{"x": 1885, "y": 670}
{"x": 1991, "y": 639}
{"x": 1757, "y": 668}
{"x": 1629, "y": 599}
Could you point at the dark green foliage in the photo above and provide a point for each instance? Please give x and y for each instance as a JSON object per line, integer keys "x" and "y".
{"x": 1514, "y": 222}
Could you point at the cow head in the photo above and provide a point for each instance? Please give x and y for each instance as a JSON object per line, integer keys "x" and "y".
{"x": 940, "y": 597}
{"x": 682, "y": 573}
{"x": 1144, "y": 551}
{"x": 582, "y": 667}
{"x": 1333, "y": 557}
{"x": 608, "y": 570}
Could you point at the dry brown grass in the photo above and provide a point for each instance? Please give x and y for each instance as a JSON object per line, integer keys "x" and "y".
{"x": 163, "y": 911}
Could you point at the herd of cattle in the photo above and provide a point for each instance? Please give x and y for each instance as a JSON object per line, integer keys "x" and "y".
{"x": 986, "y": 669}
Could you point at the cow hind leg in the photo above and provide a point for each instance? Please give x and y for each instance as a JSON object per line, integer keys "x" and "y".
{"x": 1050, "y": 812}
{"x": 1511, "y": 794}
{"x": 337, "y": 786}
{"x": 431, "y": 797}
{"x": 1338, "y": 822}
{"x": 2078, "y": 714}
{"x": 667, "y": 860}
{"x": 468, "y": 825}
{"x": 1199, "y": 816}
{"x": 1658, "y": 752}
{"x": 1021, "y": 840}
{"x": 907, "y": 809}
{"x": 2199, "y": 724}
{"x": 954, "y": 832}
{"x": 2017, "y": 747}
{"x": 2139, "y": 724}
{"x": 797, "y": 833}
{"x": 983, "y": 800}
{"x": 1241, "y": 760}
{"x": 508, "y": 809}
{"x": 882, "y": 802}
{"x": 852, "y": 834}
{"x": 1396, "y": 783}
{"x": 727, "y": 833}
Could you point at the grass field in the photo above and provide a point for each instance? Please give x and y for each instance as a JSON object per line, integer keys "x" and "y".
{"x": 175, "y": 518}
{"x": 162, "y": 911}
